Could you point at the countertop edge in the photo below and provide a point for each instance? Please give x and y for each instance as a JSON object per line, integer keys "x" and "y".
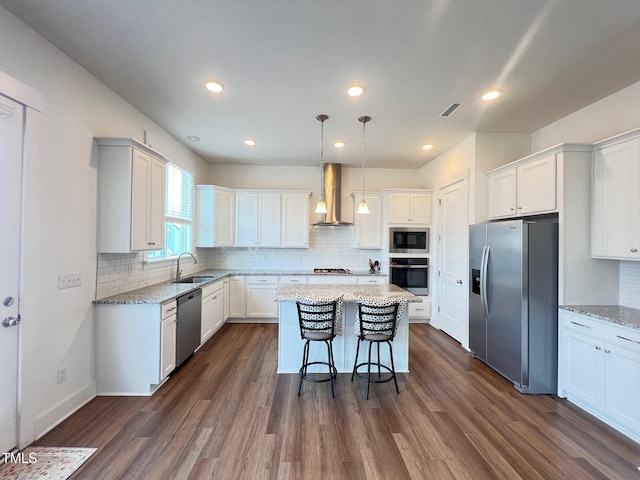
{"x": 616, "y": 314}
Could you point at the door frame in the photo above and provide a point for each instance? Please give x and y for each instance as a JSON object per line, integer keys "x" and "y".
{"x": 462, "y": 174}
{"x": 33, "y": 101}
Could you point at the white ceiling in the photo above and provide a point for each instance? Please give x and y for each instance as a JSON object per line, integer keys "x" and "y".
{"x": 285, "y": 61}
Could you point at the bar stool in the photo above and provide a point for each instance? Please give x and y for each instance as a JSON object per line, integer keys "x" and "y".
{"x": 320, "y": 320}
{"x": 376, "y": 323}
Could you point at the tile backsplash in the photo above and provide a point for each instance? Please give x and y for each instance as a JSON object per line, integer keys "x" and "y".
{"x": 630, "y": 284}
{"x": 329, "y": 247}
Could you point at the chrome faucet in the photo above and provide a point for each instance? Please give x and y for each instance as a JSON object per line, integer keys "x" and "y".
{"x": 178, "y": 271}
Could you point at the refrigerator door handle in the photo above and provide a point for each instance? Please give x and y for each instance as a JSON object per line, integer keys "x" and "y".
{"x": 483, "y": 281}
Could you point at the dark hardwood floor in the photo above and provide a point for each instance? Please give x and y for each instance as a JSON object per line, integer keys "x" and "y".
{"x": 226, "y": 414}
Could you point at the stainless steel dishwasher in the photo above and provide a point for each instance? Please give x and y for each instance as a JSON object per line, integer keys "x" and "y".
{"x": 189, "y": 318}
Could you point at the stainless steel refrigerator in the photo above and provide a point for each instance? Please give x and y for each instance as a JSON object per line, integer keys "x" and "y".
{"x": 513, "y": 301}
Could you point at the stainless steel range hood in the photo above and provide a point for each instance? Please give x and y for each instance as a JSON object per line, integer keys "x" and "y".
{"x": 332, "y": 195}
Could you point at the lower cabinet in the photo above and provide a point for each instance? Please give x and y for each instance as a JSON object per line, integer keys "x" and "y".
{"x": 212, "y": 309}
{"x": 260, "y": 294}
{"x": 600, "y": 370}
{"x": 135, "y": 347}
{"x": 420, "y": 312}
{"x": 237, "y": 304}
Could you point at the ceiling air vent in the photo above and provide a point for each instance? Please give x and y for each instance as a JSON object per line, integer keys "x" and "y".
{"x": 450, "y": 110}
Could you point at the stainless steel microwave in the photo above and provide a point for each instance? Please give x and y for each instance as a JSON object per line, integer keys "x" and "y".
{"x": 408, "y": 240}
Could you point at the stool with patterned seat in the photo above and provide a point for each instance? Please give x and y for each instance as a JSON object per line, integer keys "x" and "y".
{"x": 320, "y": 320}
{"x": 376, "y": 323}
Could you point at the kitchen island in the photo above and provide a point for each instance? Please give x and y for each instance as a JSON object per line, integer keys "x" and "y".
{"x": 290, "y": 344}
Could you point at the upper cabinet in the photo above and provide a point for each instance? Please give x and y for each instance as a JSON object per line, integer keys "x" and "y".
{"x": 525, "y": 187}
{"x": 215, "y": 216}
{"x": 257, "y": 219}
{"x": 367, "y": 229}
{"x": 294, "y": 229}
{"x": 409, "y": 207}
{"x": 131, "y": 182}
{"x": 616, "y": 198}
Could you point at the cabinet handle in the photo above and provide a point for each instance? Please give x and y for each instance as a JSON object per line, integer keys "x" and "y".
{"x": 634, "y": 250}
{"x": 627, "y": 339}
{"x": 607, "y": 351}
{"x": 581, "y": 325}
{"x": 598, "y": 348}
{"x": 151, "y": 243}
{"x": 512, "y": 209}
{"x": 519, "y": 208}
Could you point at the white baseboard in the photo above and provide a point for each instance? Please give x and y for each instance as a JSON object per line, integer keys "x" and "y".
{"x": 48, "y": 420}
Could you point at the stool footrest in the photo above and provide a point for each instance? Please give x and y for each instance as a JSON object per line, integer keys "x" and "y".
{"x": 365, "y": 376}
{"x": 307, "y": 378}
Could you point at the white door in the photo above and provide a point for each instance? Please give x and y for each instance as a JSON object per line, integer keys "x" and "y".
{"x": 454, "y": 253}
{"x": 11, "y": 134}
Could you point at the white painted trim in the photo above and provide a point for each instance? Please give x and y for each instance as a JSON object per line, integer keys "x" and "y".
{"x": 20, "y": 92}
{"x": 67, "y": 407}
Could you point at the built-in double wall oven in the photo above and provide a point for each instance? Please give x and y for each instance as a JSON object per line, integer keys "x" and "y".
{"x": 412, "y": 274}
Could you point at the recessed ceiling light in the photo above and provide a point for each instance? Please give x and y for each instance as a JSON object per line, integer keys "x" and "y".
{"x": 250, "y": 141}
{"x": 193, "y": 138}
{"x": 355, "y": 90}
{"x": 491, "y": 95}
{"x": 428, "y": 146}
{"x": 339, "y": 144}
{"x": 214, "y": 86}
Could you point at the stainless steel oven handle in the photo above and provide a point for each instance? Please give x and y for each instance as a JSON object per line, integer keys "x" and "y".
{"x": 408, "y": 266}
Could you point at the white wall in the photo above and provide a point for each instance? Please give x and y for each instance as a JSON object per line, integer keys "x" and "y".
{"x": 60, "y": 219}
{"x": 605, "y": 118}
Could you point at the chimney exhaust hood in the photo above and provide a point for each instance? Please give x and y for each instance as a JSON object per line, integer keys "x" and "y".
{"x": 332, "y": 195}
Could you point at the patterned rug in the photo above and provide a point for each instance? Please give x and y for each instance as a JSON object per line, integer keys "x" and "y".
{"x": 50, "y": 463}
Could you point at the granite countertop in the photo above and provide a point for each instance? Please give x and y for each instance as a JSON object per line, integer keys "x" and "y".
{"x": 165, "y": 291}
{"x": 289, "y": 293}
{"x": 625, "y": 316}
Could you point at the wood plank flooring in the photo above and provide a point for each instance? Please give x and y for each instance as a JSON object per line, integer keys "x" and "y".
{"x": 226, "y": 414}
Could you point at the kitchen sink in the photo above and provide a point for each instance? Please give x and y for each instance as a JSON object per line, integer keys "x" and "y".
{"x": 194, "y": 279}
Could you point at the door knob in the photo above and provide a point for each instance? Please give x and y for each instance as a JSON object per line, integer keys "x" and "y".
{"x": 10, "y": 321}
{"x": 459, "y": 282}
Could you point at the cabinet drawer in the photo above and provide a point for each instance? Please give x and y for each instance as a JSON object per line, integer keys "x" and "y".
{"x": 294, "y": 280}
{"x": 420, "y": 310}
{"x": 372, "y": 280}
{"x": 262, "y": 280}
{"x": 606, "y": 331}
{"x": 169, "y": 308}
{"x": 582, "y": 324}
{"x": 212, "y": 288}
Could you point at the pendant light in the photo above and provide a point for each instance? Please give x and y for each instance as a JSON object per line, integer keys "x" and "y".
{"x": 363, "y": 208}
{"x": 321, "y": 206}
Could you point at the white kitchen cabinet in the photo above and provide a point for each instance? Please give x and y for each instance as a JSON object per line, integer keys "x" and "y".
{"x": 135, "y": 347}
{"x": 215, "y": 216}
{"x": 372, "y": 280}
{"x": 131, "y": 184}
{"x": 409, "y": 207}
{"x": 367, "y": 228}
{"x": 293, "y": 280}
{"x": 616, "y": 199}
{"x": 260, "y": 294}
{"x": 600, "y": 370}
{"x": 257, "y": 219}
{"x": 227, "y": 298}
{"x": 295, "y": 220}
{"x": 420, "y": 312}
{"x": 525, "y": 187}
{"x": 168, "y": 338}
{"x": 212, "y": 316}
{"x": 324, "y": 279}
{"x": 237, "y": 303}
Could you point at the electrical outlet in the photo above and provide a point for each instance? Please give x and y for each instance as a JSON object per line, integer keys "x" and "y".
{"x": 69, "y": 280}
{"x": 62, "y": 375}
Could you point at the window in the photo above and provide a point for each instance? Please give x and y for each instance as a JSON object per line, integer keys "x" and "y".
{"x": 178, "y": 211}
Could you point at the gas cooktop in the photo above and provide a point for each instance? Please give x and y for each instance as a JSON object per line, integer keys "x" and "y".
{"x": 332, "y": 270}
